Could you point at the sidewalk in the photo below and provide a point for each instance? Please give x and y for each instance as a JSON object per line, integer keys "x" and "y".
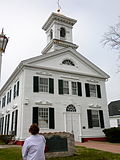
{"x": 104, "y": 146}
{"x": 8, "y": 146}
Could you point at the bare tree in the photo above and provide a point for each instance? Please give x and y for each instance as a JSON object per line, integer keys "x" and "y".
{"x": 112, "y": 37}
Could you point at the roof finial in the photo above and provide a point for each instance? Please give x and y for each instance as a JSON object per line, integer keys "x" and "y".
{"x": 59, "y": 7}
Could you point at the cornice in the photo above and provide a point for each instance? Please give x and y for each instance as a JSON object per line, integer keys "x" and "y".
{"x": 58, "y": 17}
{"x": 62, "y": 43}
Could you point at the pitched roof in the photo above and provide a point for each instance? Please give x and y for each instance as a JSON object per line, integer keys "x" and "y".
{"x": 29, "y": 62}
{"x": 114, "y": 108}
{"x": 58, "y": 52}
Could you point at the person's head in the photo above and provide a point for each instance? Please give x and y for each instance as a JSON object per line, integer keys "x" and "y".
{"x": 34, "y": 129}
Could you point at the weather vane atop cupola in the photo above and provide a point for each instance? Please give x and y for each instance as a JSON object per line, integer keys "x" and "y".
{"x": 59, "y": 7}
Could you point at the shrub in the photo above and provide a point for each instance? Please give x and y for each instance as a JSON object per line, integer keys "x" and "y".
{"x": 6, "y": 138}
{"x": 112, "y": 134}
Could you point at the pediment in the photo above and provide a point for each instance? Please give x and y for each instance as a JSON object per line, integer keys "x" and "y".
{"x": 54, "y": 61}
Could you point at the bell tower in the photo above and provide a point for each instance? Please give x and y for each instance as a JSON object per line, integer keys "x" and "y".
{"x": 58, "y": 29}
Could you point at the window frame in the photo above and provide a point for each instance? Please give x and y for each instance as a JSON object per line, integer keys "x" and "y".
{"x": 51, "y": 34}
{"x": 74, "y": 88}
{"x": 43, "y": 114}
{"x": 95, "y": 119}
{"x": 62, "y": 32}
{"x": 66, "y": 87}
{"x": 97, "y": 93}
{"x": 43, "y": 85}
{"x": 68, "y": 62}
{"x": 93, "y": 92}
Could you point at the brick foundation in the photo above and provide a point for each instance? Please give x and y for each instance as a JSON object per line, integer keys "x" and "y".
{"x": 94, "y": 139}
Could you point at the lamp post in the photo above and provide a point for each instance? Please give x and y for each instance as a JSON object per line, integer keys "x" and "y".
{"x": 3, "y": 44}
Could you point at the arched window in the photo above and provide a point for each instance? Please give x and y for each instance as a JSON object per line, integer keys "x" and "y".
{"x": 68, "y": 62}
{"x": 62, "y": 32}
{"x": 71, "y": 108}
{"x": 51, "y": 34}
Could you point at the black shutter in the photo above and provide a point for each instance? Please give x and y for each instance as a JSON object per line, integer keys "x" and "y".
{"x": 10, "y": 95}
{"x": 51, "y": 85}
{"x": 5, "y": 101}
{"x": 2, "y": 125}
{"x": 60, "y": 83}
{"x": 98, "y": 91}
{"x": 1, "y": 120}
{"x": 101, "y": 119}
{"x": 5, "y": 125}
{"x": 51, "y": 118}
{"x": 12, "y": 121}
{"x": 79, "y": 89}
{"x": 35, "y": 84}
{"x": 7, "y": 97}
{"x": 87, "y": 89}
{"x": 35, "y": 115}
{"x": 8, "y": 120}
{"x": 18, "y": 88}
{"x": 89, "y": 113}
{"x": 14, "y": 93}
{"x": 16, "y": 115}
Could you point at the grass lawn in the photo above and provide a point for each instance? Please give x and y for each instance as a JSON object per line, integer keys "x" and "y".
{"x": 82, "y": 153}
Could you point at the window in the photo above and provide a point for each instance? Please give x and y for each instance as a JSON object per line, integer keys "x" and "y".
{"x": 4, "y": 101}
{"x": 51, "y": 34}
{"x": 1, "y": 125}
{"x": 92, "y": 90}
{"x": 62, "y": 32}
{"x": 95, "y": 118}
{"x": 65, "y": 87}
{"x": 16, "y": 90}
{"x": 43, "y": 117}
{"x": 43, "y": 85}
{"x": 70, "y": 108}
{"x": 9, "y": 96}
{"x": 68, "y": 62}
{"x": 118, "y": 122}
{"x": 6, "y": 127}
{"x": 14, "y": 122}
{"x": 74, "y": 88}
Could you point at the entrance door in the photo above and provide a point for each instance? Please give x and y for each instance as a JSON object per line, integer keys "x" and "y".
{"x": 73, "y": 123}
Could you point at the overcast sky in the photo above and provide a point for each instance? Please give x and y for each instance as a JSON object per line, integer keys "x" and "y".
{"x": 23, "y": 20}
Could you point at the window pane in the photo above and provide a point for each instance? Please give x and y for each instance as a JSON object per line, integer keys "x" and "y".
{"x": 43, "y": 85}
{"x": 68, "y": 62}
{"x": 65, "y": 87}
{"x": 95, "y": 118}
{"x": 92, "y": 90}
{"x": 62, "y": 32}
{"x": 74, "y": 88}
{"x": 43, "y": 117}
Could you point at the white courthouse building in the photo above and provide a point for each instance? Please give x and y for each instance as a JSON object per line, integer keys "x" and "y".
{"x": 59, "y": 90}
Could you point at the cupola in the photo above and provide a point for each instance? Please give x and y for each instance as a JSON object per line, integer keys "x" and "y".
{"x": 58, "y": 29}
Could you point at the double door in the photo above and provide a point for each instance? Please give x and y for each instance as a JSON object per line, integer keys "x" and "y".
{"x": 73, "y": 125}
